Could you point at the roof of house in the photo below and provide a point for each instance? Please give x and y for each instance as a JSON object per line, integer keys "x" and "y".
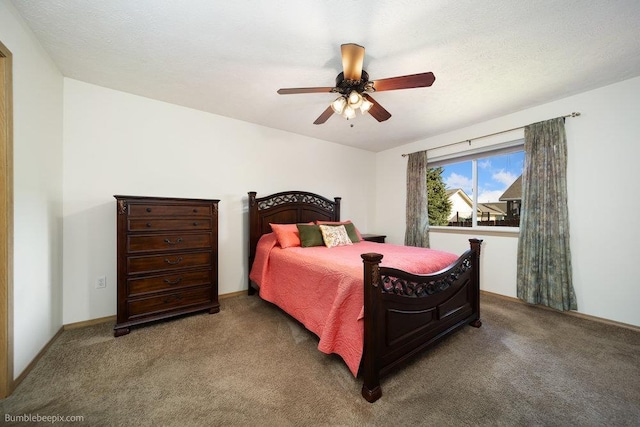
{"x": 497, "y": 208}
{"x": 461, "y": 193}
{"x": 514, "y": 192}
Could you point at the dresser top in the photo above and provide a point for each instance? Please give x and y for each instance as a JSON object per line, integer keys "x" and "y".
{"x": 163, "y": 199}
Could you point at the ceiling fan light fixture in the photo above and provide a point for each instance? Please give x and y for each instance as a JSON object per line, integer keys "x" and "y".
{"x": 366, "y": 105}
{"x": 349, "y": 112}
{"x": 339, "y": 104}
{"x": 355, "y": 99}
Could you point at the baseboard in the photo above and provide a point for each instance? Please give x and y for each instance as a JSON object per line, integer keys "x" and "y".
{"x": 233, "y": 294}
{"x": 568, "y": 313}
{"x": 108, "y": 319}
{"x": 30, "y": 366}
{"x": 89, "y": 322}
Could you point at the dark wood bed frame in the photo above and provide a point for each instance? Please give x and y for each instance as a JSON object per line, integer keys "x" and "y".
{"x": 404, "y": 313}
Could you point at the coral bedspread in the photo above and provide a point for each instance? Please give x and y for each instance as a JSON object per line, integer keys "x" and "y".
{"x": 323, "y": 287}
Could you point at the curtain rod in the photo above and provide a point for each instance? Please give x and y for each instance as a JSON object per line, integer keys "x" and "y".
{"x": 574, "y": 114}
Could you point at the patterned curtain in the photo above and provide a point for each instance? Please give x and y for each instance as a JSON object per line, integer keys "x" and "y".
{"x": 544, "y": 257}
{"x": 417, "y": 231}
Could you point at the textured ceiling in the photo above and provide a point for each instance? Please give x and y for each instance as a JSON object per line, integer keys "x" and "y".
{"x": 490, "y": 57}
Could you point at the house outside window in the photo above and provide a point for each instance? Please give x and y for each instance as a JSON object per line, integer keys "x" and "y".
{"x": 485, "y": 188}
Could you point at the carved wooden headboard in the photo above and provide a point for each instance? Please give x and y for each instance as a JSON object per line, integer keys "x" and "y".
{"x": 288, "y": 207}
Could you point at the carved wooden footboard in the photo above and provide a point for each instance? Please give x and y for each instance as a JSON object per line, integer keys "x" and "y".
{"x": 406, "y": 313}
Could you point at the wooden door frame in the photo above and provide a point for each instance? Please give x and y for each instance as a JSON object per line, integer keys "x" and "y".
{"x": 6, "y": 223}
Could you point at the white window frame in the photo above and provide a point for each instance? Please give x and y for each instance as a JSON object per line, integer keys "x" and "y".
{"x": 474, "y": 155}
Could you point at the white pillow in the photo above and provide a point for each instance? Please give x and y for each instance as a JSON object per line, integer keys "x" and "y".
{"x": 335, "y": 235}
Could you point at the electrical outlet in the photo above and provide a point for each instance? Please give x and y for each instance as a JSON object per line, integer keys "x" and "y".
{"x": 101, "y": 282}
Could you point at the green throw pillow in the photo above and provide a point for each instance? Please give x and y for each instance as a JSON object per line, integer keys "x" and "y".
{"x": 310, "y": 235}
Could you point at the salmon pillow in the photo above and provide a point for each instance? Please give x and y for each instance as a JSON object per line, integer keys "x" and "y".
{"x": 287, "y": 234}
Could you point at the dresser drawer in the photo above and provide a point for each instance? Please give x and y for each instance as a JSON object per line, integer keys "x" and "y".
{"x": 167, "y": 262}
{"x": 158, "y": 224}
{"x": 167, "y": 242}
{"x": 177, "y": 280}
{"x": 149, "y": 210}
{"x": 169, "y": 301}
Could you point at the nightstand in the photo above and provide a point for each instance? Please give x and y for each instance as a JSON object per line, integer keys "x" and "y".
{"x": 378, "y": 238}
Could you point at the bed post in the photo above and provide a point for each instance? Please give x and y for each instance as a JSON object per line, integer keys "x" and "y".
{"x": 254, "y": 234}
{"x": 336, "y": 214}
{"x": 475, "y": 279}
{"x": 371, "y": 390}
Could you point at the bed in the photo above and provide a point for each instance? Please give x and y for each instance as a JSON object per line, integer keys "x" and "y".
{"x": 377, "y": 320}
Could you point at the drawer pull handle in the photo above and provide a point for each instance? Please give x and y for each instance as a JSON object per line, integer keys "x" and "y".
{"x": 195, "y": 224}
{"x": 148, "y": 209}
{"x": 178, "y": 240}
{"x": 173, "y": 282}
{"x": 178, "y": 261}
{"x": 172, "y": 298}
{"x": 148, "y": 224}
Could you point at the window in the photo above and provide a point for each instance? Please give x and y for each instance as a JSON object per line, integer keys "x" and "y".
{"x": 479, "y": 189}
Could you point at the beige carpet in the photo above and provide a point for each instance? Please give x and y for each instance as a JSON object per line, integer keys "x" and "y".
{"x": 251, "y": 364}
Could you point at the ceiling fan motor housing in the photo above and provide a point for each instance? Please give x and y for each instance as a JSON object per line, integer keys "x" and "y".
{"x": 345, "y": 86}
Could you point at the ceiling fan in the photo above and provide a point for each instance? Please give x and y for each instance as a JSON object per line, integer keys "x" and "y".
{"x": 354, "y": 87}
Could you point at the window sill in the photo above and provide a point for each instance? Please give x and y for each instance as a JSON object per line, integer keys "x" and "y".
{"x": 485, "y": 231}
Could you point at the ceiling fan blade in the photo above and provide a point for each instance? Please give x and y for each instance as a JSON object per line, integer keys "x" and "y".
{"x": 294, "y": 90}
{"x": 324, "y": 116}
{"x": 377, "y": 111}
{"x": 352, "y": 60}
{"x": 404, "y": 82}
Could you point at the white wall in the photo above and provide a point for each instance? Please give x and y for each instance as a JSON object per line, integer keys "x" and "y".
{"x": 37, "y": 163}
{"x": 117, "y": 143}
{"x": 604, "y": 150}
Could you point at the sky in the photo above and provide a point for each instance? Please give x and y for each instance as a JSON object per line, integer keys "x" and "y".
{"x": 495, "y": 175}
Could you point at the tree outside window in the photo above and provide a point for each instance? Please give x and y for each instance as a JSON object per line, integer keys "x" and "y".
{"x": 439, "y": 205}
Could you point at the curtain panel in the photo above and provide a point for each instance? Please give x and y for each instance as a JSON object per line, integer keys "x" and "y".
{"x": 544, "y": 272}
{"x": 417, "y": 222}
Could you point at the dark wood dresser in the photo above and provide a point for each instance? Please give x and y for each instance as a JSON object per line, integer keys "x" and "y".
{"x": 167, "y": 258}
